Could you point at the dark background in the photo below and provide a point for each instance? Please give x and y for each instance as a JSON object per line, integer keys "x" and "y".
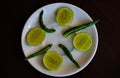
{"x": 14, "y": 14}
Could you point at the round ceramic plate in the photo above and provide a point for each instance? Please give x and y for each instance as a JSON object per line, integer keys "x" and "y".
{"x": 67, "y": 68}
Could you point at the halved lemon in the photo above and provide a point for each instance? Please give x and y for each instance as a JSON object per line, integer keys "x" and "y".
{"x": 64, "y": 16}
{"x": 82, "y": 41}
{"x": 52, "y": 60}
{"x": 35, "y": 36}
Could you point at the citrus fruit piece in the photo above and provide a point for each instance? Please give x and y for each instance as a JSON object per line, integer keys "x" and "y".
{"x": 64, "y": 16}
{"x": 82, "y": 41}
{"x": 35, "y": 36}
{"x": 52, "y": 60}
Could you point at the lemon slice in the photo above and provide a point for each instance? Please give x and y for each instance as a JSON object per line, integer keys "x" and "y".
{"x": 82, "y": 41}
{"x": 52, "y": 60}
{"x": 35, "y": 36}
{"x": 64, "y": 16}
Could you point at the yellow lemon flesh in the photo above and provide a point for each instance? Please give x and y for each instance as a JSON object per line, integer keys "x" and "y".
{"x": 82, "y": 41}
{"x": 52, "y": 60}
{"x": 64, "y": 16}
{"x": 35, "y": 36}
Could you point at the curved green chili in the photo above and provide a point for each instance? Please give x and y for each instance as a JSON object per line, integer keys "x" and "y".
{"x": 77, "y": 28}
{"x": 66, "y": 51}
{"x": 40, "y": 52}
{"x": 43, "y": 25}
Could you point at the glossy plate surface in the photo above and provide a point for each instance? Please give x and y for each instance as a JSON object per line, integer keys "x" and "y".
{"x": 67, "y": 68}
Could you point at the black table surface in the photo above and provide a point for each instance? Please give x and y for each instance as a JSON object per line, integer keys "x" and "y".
{"x": 14, "y": 14}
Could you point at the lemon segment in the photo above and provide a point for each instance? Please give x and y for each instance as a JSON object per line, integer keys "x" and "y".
{"x": 82, "y": 41}
{"x": 64, "y": 16}
{"x": 35, "y": 36}
{"x": 52, "y": 60}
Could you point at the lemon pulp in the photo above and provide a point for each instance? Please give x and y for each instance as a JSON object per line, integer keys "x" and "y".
{"x": 82, "y": 41}
{"x": 64, "y": 16}
{"x": 35, "y": 36}
{"x": 52, "y": 60}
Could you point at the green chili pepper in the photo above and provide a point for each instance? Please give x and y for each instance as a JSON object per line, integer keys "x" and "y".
{"x": 77, "y": 28}
{"x": 43, "y": 25}
{"x": 40, "y": 52}
{"x": 66, "y": 51}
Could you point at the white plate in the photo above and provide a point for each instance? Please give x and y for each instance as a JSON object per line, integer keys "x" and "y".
{"x": 67, "y": 68}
